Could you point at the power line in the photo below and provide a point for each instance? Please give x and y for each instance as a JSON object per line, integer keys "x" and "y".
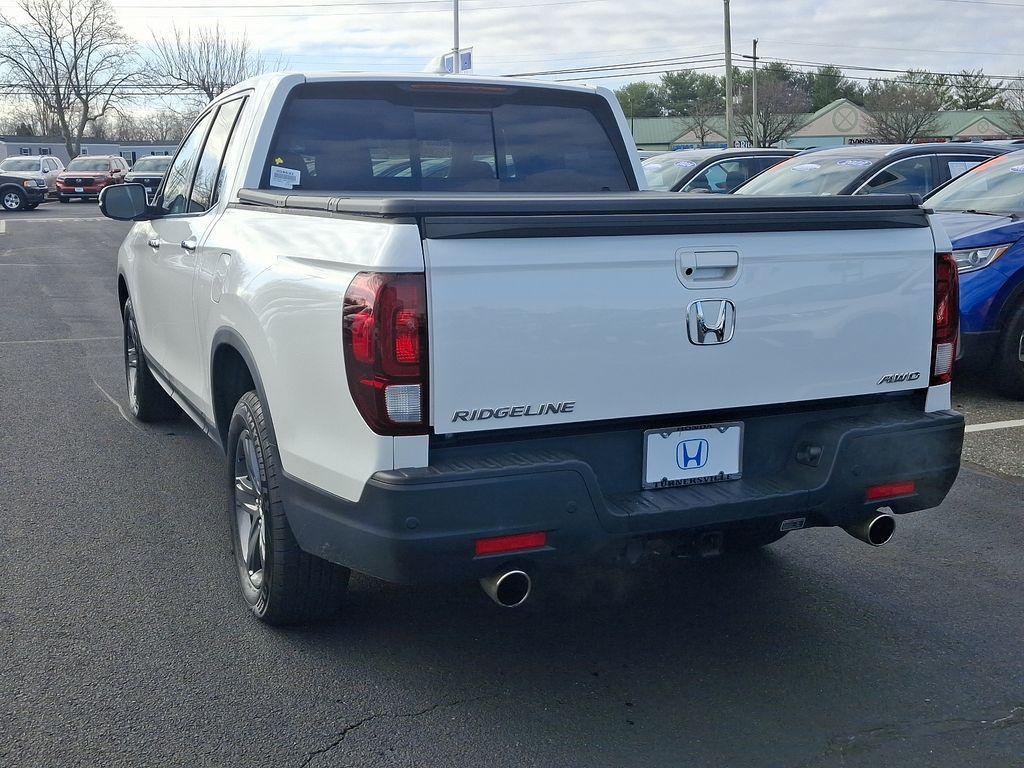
{"x": 885, "y": 48}
{"x": 446, "y": 9}
{"x": 609, "y": 67}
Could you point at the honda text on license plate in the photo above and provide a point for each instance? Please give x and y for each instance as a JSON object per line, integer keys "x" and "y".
{"x": 688, "y": 455}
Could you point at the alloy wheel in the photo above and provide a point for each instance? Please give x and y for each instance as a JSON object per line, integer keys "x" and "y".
{"x": 131, "y": 362}
{"x": 12, "y": 201}
{"x": 250, "y": 507}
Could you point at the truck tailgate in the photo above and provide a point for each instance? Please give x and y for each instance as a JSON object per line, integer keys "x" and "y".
{"x": 532, "y": 323}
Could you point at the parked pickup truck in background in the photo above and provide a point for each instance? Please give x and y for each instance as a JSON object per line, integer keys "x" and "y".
{"x": 441, "y": 333}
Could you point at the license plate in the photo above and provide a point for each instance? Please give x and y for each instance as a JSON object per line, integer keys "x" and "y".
{"x": 79, "y": 189}
{"x": 709, "y": 453}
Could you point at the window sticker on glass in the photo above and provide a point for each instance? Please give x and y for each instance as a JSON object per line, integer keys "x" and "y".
{"x": 854, "y": 162}
{"x": 685, "y": 164}
{"x": 1017, "y": 169}
{"x": 958, "y": 167}
{"x": 653, "y": 166}
{"x": 805, "y": 167}
{"x": 284, "y": 178}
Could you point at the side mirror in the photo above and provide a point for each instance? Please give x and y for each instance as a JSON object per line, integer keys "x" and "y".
{"x": 124, "y": 202}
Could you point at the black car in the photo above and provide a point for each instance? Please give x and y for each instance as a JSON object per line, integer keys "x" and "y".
{"x": 21, "y": 190}
{"x": 149, "y": 171}
{"x": 866, "y": 169}
{"x": 709, "y": 170}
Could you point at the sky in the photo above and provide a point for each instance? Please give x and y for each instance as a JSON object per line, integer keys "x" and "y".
{"x": 520, "y": 36}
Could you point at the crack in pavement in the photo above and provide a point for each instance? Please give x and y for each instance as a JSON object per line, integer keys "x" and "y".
{"x": 872, "y": 738}
{"x": 349, "y": 727}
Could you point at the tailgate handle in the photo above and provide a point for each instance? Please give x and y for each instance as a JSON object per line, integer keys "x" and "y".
{"x": 717, "y": 260}
{"x": 708, "y": 269}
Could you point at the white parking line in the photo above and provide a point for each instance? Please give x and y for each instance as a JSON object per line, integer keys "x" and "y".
{"x": 50, "y": 219}
{"x": 56, "y": 341}
{"x": 995, "y": 425}
{"x": 3, "y": 227}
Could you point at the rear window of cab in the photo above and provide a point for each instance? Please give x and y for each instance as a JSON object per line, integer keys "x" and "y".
{"x": 417, "y": 137}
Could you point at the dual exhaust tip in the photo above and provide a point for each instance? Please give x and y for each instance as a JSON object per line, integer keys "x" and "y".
{"x": 511, "y": 588}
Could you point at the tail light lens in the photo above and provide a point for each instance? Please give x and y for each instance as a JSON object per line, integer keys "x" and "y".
{"x": 384, "y": 332}
{"x": 947, "y": 318}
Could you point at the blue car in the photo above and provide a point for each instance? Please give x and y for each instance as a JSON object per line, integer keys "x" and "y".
{"x": 983, "y": 213}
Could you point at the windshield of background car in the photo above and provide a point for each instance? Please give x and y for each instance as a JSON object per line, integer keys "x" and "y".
{"x": 995, "y": 187}
{"x": 812, "y": 174}
{"x": 152, "y": 164}
{"x": 84, "y": 164}
{"x": 19, "y": 164}
{"x": 385, "y": 137}
{"x": 664, "y": 172}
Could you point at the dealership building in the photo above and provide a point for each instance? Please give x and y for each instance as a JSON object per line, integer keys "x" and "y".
{"x": 841, "y": 122}
{"x": 13, "y": 146}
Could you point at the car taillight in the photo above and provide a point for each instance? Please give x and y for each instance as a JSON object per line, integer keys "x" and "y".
{"x": 946, "y": 329}
{"x": 384, "y": 332}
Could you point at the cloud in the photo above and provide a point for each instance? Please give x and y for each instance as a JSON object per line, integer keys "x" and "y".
{"x": 518, "y": 36}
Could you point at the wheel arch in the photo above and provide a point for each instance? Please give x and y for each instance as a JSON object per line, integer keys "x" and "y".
{"x": 233, "y": 372}
{"x": 1014, "y": 299}
{"x": 122, "y": 292}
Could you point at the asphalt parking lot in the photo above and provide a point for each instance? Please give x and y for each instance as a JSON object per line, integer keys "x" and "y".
{"x": 123, "y": 642}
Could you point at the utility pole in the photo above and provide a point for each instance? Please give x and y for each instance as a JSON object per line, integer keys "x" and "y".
{"x": 455, "y": 49}
{"x": 753, "y": 100}
{"x": 728, "y": 76}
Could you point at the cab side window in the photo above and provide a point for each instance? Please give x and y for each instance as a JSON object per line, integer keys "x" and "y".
{"x": 179, "y": 176}
{"x": 206, "y": 187}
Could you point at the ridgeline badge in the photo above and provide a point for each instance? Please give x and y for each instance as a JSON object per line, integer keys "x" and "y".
{"x": 514, "y": 411}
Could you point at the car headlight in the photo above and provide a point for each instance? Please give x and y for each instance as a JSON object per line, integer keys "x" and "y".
{"x": 971, "y": 259}
{"x": 32, "y": 183}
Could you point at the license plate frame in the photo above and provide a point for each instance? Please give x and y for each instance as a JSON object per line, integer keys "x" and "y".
{"x": 79, "y": 190}
{"x": 657, "y": 455}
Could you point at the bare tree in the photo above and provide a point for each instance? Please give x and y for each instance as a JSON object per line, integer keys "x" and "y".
{"x": 204, "y": 60}
{"x": 780, "y": 108}
{"x": 903, "y": 109}
{"x": 26, "y": 116}
{"x": 71, "y": 57}
{"x": 164, "y": 125}
{"x": 1013, "y": 102}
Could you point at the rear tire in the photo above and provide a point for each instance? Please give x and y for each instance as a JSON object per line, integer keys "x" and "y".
{"x": 281, "y": 583}
{"x": 147, "y": 400}
{"x": 1010, "y": 356}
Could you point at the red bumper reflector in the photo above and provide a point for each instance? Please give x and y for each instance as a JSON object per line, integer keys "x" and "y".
{"x": 891, "y": 490}
{"x": 515, "y": 543}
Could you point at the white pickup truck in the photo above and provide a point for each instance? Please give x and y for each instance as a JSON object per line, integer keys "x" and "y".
{"x": 441, "y": 332}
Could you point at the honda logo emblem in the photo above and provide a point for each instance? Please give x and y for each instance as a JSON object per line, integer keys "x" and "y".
{"x": 692, "y": 454}
{"x": 710, "y": 321}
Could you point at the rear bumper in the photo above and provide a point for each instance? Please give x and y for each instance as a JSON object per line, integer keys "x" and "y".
{"x": 421, "y": 524}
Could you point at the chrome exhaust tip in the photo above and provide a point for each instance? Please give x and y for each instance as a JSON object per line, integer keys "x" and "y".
{"x": 877, "y": 530}
{"x": 509, "y": 589}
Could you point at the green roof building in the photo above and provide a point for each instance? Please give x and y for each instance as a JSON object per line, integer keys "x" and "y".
{"x": 838, "y": 123}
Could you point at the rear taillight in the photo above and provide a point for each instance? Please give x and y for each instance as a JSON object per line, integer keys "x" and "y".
{"x": 947, "y": 318}
{"x": 384, "y": 332}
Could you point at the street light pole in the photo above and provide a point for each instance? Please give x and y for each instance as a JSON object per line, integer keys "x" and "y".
{"x": 728, "y": 76}
{"x": 753, "y": 100}
{"x": 455, "y": 50}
